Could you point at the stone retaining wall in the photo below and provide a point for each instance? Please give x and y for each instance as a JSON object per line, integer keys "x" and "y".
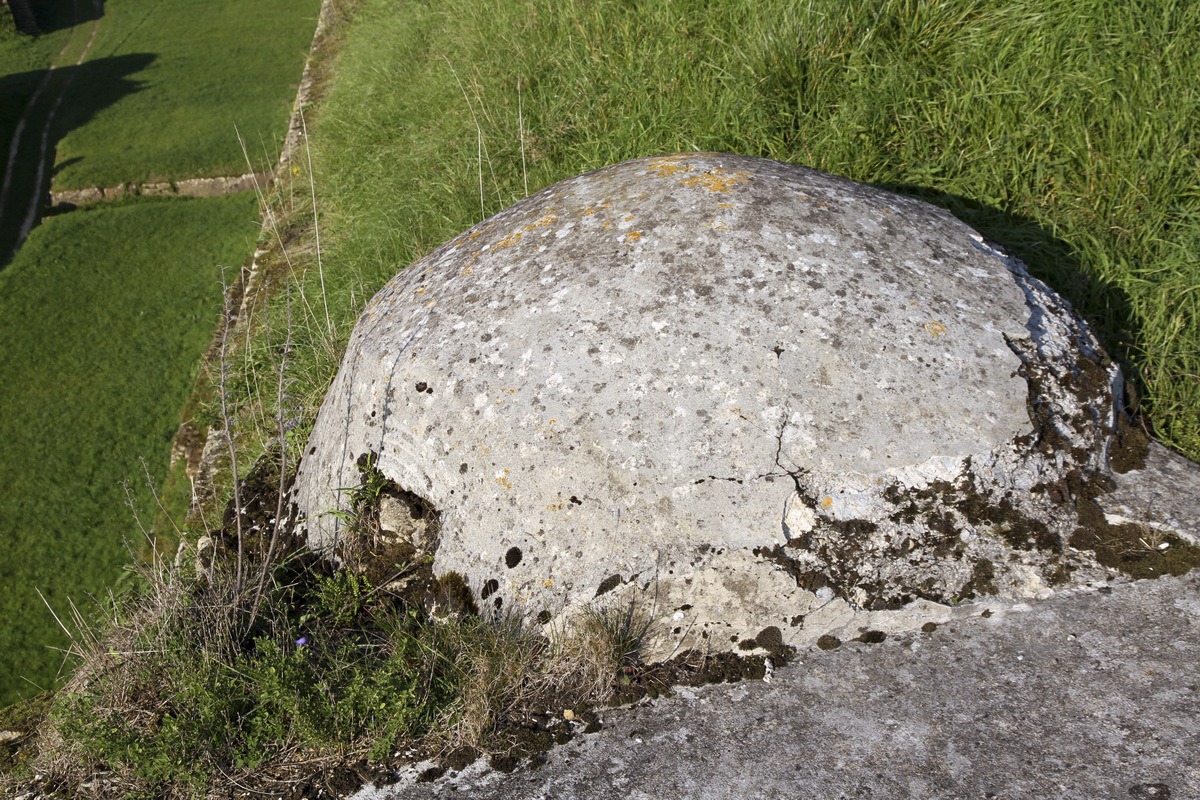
{"x": 188, "y": 187}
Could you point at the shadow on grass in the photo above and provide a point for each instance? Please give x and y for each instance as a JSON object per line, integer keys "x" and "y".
{"x": 1105, "y": 306}
{"x": 72, "y": 96}
{"x": 53, "y": 15}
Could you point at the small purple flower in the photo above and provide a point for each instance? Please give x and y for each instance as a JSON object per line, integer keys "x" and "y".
{"x": 303, "y": 640}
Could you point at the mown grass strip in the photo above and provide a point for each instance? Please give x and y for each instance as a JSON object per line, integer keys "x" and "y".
{"x": 101, "y": 331}
{"x": 189, "y": 75}
{"x": 1064, "y": 131}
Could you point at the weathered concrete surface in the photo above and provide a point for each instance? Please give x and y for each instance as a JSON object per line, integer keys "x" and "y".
{"x": 1164, "y": 494}
{"x": 1087, "y": 696}
{"x": 729, "y": 390}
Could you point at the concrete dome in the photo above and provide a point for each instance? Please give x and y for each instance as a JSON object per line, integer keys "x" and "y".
{"x": 743, "y": 394}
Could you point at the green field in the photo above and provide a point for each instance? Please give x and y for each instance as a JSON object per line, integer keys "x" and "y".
{"x": 1066, "y": 131}
{"x": 104, "y": 314}
{"x": 101, "y": 332}
{"x": 194, "y": 73}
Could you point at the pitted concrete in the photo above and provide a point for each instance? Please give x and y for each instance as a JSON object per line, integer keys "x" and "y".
{"x": 737, "y": 392}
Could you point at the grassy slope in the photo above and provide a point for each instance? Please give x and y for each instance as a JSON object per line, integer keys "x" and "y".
{"x": 215, "y": 66}
{"x": 1065, "y": 131}
{"x": 101, "y": 328}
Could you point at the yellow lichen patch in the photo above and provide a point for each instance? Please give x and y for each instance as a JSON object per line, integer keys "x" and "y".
{"x": 421, "y": 290}
{"x": 629, "y": 217}
{"x": 547, "y": 583}
{"x": 717, "y": 225}
{"x": 668, "y": 166}
{"x": 508, "y": 241}
{"x": 556, "y": 506}
{"x": 541, "y": 223}
{"x": 827, "y": 502}
{"x": 726, "y": 205}
{"x": 468, "y": 271}
{"x": 934, "y": 328}
{"x": 504, "y": 481}
{"x": 633, "y": 236}
{"x": 716, "y": 180}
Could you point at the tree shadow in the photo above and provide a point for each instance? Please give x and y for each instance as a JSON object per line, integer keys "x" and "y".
{"x": 1104, "y": 305}
{"x": 68, "y": 98}
{"x": 36, "y": 17}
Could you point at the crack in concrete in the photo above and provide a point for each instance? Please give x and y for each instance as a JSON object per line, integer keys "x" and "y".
{"x": 795, "y": 475}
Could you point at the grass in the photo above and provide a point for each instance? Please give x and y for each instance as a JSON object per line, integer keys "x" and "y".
{"x": 192, "y": 75}
{"x": 101, "y": 332}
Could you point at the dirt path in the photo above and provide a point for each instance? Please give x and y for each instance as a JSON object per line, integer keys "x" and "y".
{"x": 9, "y": 202}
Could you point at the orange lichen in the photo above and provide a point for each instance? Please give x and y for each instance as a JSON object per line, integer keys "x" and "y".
{"x": 668, "y": 166}
{"x": 508, "y": 241}
{"x": 934, "y": 328}
{"x": 716, "y": 180}
{"x": 827, "y": 503}
{"x": 633, "y": 236}
{"x": 541, "y": 223}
